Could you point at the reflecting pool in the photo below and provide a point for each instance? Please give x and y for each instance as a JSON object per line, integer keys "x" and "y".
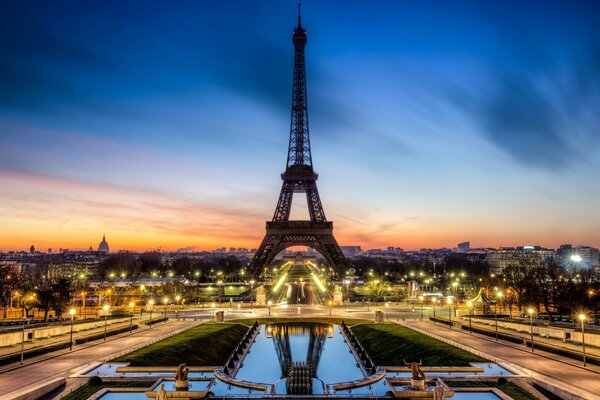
{"x": 280, "y": 345}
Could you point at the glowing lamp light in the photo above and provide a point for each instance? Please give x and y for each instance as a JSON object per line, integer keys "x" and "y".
{"x": 576, "y": 258}
{"x": 72, "y": 311}
{"x": 279, "y": 283}
{"x": 319, "y": 283}
{"x": 582, "y": 317}
{"x": 530, "y": 310}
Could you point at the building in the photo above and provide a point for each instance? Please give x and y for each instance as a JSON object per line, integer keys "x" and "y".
{"x": 463, "y": 247}
{"x": 350, "y": 251}
{"x": 506, "y": 256}
{"x": 103, "y": 248}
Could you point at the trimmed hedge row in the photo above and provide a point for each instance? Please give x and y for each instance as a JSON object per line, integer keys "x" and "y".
{"x": 564, "y": 352}
{"x": 100, "y": 335}
{"x": 156, "y": 321}
{"x": 11, "y": 358}
{"x": 541, "y": 346}
{"x": 441, "y": 321}
{"x": 501, "y": 335}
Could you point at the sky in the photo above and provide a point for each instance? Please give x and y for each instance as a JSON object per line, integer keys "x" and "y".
{"x": 164, "y": 124}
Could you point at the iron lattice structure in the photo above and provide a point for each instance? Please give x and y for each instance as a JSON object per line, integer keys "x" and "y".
{"x": 299, "y": 177}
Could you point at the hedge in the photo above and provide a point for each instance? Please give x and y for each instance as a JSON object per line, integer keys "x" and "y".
{"x": 14, "y": 357}
{"x": 561, "y": 351}
{"x": 441, "y": 321}
{"x": 100, "y": 335}
{"x": 156, "y": 321}
{"x": 501, "y": 335}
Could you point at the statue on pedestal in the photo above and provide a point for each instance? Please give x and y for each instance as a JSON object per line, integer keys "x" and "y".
{"x": 438, "y": 391}
{"x": 181, "y": 378}
{"x": 161, "y": 393}
{"x": 417, "y": 380}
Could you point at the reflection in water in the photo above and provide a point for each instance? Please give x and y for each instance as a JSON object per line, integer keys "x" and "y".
{"x": 287, "y": 355}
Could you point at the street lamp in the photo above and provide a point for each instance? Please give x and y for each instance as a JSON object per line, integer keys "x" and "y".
{"x": 131, "y": 306}
{"x": 499, "y": 296}
{"x": 106, "y": 308}
{"x": 165, "y": 302}
{"x": 470, "y": 306}
{"x": 530, "y": 311}
{"x": 347, "y": 282}
{"x": 177, "y": 298}
{"x": 421, "y": 298}
{"x": 434, "y": 301}
{"x": 269, "y": 305}
{"x": 72, "y": 312}
{"x": 449, "y": 301}
{"x": 251, "y": 292}
{"x": 151, "y": 302}
{"x": 330, "y": 303}
{"x": 25, "y": 320}
{"x": 582, "y": 319}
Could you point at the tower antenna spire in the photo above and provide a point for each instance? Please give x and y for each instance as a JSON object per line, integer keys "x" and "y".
{"x": 299, "y": 13}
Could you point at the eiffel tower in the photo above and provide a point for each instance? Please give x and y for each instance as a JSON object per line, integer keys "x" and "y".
{"x": 299, "y": 177}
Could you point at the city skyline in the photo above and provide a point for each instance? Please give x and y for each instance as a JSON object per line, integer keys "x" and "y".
{"x": 168, "y": 139}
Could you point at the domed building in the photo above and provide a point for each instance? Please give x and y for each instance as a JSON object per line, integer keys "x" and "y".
{"x": 103, "y": 246}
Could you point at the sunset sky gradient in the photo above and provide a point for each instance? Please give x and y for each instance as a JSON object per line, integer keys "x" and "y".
{"x": 166, "y": 125}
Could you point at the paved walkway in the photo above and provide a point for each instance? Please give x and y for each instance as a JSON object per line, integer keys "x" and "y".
{"x": 18, "y": 380}
{"x": 536, "y": 364}
{"x": 590, "y": 350}
{"x": 39, "y": 343}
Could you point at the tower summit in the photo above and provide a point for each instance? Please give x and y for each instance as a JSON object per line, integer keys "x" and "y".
{"x": 299, "y": 177}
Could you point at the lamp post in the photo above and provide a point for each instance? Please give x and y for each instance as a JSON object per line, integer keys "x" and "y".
{"x": 177, "y": 298}
{"x": 434, "y": 301}
{"x": 421, "y": 298}
{"x": 499, "y": 296}
{"x": 330, "y": 303}
{"x": 84, "y": 300}
{"x": 449, "y": 301}
{"x": 251, "y": 292}
{"x": 530, "y": 311}
{"x": 106, "y": 308}
{"x": 23, "y": 339}
{"x": 151, "y": 302}
{"x": 72, "y": 312}
{"x": 582, "y": 319}
{"x": 131, "y": 306}
{"x": 470, "y": 306}
{"x": 347, "y": 282}
{"x": 165, "y": 302}
{"x": 269, "y": 305}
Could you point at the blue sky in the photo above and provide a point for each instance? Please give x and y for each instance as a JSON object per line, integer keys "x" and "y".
{"x": 165, "y": 124}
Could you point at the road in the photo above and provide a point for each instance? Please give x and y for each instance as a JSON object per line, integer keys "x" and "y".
{"x": 21, "y": 378}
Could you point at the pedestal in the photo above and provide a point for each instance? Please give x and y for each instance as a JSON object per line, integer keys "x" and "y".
{"x": 220, "y": 316}
{"x": 182, "y": 386}
{"x": 261, "y": 296}
{"x": 417, "y": 384}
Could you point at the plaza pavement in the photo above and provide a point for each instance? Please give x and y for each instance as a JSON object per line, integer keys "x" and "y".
{"x": 535, "y": 364}
{"x": 20, "y": 379}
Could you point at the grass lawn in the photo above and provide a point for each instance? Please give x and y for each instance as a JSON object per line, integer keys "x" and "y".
{"x": 390, "y": 344}
{"x": 206, "y": 344}
{"x": 509, "y": 388}
{"x": 87, "y": 390}
{"x": 324, "y": 320}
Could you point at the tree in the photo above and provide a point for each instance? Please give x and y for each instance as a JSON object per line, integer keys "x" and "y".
{"x": 9, "y": 282}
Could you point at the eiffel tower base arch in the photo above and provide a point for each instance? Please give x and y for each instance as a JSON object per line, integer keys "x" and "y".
{"x": 283, "y": 234}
